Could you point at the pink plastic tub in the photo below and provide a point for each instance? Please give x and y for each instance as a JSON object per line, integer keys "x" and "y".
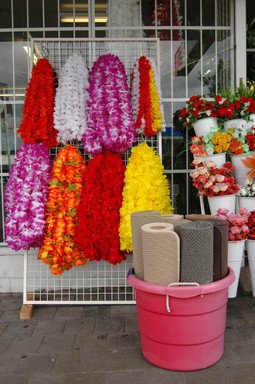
{"x": 182, "y": 327}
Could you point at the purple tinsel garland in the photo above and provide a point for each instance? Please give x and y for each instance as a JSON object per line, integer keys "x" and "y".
{"x": 110, "y": 124}
{"x": 25, "y": 197}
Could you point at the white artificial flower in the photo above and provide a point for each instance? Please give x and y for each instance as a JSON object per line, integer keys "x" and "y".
{"x": 70, "y": 100}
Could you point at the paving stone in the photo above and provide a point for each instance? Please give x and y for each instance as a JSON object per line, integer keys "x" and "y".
{"x": 31, "y": 363}
{"x": 84, "y": 326}
{"x": 246, "y": 332}
{"x": 231, "y": 335}
{"x": 13, "y": 379}
{"x": 210, "y": 375}
{"x": 48, "y": 378}
{"x": 249, "y": 316}
{"x": 245, "y": 351}
{"x": 5, "y": 341}
{"x": 151, "y": 376}
{"x": 25, "y": 344}
{"x": 97, "y": 311}
{"x": 22, "y": 328}
{"x": 68, "y": 312}
{"x": 110, "y": 325}
{"x": 123, "y": 310}
{"x": 10, "y": 316}
{"x": 236, "y": 374}
{"x": 49, "y": 327}
{"x": 90, "y": 361}
{"x": 57, "y": 342}
{"x": 44, "y": 312}
{"x": 86, "y": 378}
{"x": 131, "y": 323}
{"x": 10, "y": 301}
{"x": 235, "y": 318}
{"x": 8, "y": 363}
{"x": 85, "y": 342}
{"x": 123, "y": 340}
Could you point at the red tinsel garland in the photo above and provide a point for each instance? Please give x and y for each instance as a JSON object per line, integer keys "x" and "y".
{"x": 37, "y": 121}
{"x": 97, "y": 232}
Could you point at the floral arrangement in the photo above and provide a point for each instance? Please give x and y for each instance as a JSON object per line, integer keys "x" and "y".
{"x": 110, "y": 124}
{"x": 146, "y": 97}
{"x": 197, "y": 108}
{"x": 98, "y": 212}
{"x": 37, "y": 121}
{"x": 251, "y": 225}
{"x": 243, "y": 137}
{"x": 213, "y": 181}
{"x": 59, "y": 249}
{"x": 145, "y": 188}
{"x": 247, "y": 190}
{"x": 25, "y": 197}
{"x": 71, "y": 97}
{"x": 238, "y": 227}
{"x": 235, "y": 108}
{"x": 214, "y": 142}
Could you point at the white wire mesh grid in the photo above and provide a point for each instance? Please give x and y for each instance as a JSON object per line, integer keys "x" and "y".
{"x": 96, "y": 282}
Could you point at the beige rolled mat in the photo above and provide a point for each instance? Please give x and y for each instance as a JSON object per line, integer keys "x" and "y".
{"x": 176, "y": 220}
{"x": 161, "y": 253}
{"x": 138, "y": 219}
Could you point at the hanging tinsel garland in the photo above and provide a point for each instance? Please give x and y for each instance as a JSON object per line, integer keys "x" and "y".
{"x": 110, "y": 125}
{"x": 146, "y": 97}
{"x": 98, "y": 212}
{"x": 26, "y": 195}
{"x": 37, "y": 120}
{"x": 59, "y": 248}
{"x": 70, "y": 100}
{"x": 145, "y": 188}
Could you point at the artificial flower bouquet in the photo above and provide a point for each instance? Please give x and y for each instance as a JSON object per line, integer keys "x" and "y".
{"x": 238, "y": 223}
{"x": 251, "y": 225}
{"x": 213, "y": 143}
{"x": 197, "y": 108}
{"x": 235, "y": 107}
{"x": 212, "y": 181}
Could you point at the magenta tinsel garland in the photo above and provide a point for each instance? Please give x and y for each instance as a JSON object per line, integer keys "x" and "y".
{"x": 26, "y": 195}
{"x": 110, "y": 124}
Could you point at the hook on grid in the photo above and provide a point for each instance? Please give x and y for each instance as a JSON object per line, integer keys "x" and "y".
{"x": 45, "y": 52}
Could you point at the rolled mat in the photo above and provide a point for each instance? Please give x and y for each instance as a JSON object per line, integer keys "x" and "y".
{"x": 138, "y": 219}
{"x": 220, "y": 244}
{"x": 161, "y": 253}
{"x": 197, "y": 252}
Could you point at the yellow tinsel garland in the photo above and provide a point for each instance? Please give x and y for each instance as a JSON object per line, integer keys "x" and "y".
{"x": 145, "y": 188}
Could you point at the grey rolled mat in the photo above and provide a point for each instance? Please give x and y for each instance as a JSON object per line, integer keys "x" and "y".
{"x": 220, "y": 244}
{"x": 176, "y": 220}
{"x": 138, "y": 219}
{"x": 161, "y": 253}
{"x": 196, "y": 252}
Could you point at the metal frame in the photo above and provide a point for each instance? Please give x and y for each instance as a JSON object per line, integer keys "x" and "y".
{"x": 96, "y": 282}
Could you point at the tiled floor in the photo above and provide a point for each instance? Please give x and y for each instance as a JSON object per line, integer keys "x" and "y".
{"x": 100, "y": 345}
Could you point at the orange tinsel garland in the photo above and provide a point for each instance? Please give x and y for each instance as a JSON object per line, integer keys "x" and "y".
{"x": 59, "y": 248}
{"x": 37, "y": 120}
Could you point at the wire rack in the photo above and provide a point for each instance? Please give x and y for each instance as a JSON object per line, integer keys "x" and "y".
{"x": 96, "y": 282}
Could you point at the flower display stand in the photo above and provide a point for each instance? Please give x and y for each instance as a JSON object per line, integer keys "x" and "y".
{"x": 202, "y": 127}
{"x": 182, "y": 327}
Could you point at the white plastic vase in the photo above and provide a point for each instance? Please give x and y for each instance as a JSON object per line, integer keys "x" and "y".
{"x": 202, "y": 127}
{"x": 246, "y": 202}
{"x": 218, "y": 158}
{"x": 225, "y": 201}
{"x": 233, "y": 123}
{"x": 241, "y": 170}
{"x": 250, "y": 248}
{"x": 235, "y": 257}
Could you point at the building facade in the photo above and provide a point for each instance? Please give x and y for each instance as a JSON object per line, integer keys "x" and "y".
{"x": 205, "y": 45}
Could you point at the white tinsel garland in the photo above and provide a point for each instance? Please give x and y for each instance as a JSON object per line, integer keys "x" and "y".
{"x": 70, "y": 100}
